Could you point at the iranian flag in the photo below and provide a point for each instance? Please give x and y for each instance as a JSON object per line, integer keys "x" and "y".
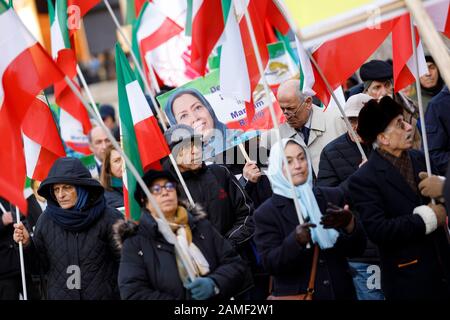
{"x": 207, "y": 27}
{"x": 239, "y": 74}
{"x": 133, "y": 9}
{"x": 152, "y": 29}
{"x": 405, "y": 71}
{"x": 25, "y": 70}
{"x": 339, "y": 58}
{"x": 41, "y": 140}
{"x": 143, "y": 141}
{"x": 440, "y": 14}
{"x": 73, "y": 114}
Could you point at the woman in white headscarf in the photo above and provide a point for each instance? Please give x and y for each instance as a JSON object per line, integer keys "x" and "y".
{"x": 287, "y": 247}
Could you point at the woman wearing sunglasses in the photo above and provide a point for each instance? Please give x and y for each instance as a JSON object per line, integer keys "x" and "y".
{"x": 150, "y": 269}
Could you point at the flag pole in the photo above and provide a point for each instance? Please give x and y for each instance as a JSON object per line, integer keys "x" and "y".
{"x": 327, "y": 84}
{"x": 271, "y": 107}
{"x": 186, "y": 263}
{"x": 183, "y": 182}
{"x": 138, "y": 67}
{"x": 431, "y": 38}
{"x": 22, "y": 264}
{"x": 88, "y": 92}
{"x": 419, "y": 101}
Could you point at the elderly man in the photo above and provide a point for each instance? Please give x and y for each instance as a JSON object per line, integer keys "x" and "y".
{"x": 306, "y": 122}
{"x": 406, "y": 227}
{"x": 98, "y": 143}
{"x": 378, "y": 82}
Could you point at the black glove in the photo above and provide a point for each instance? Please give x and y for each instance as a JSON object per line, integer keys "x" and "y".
{"x": 303, "y": 233}
{"x": 336, "y": 217}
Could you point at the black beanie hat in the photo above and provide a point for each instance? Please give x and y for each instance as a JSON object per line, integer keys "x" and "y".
{"x": 376, "y": 70}
{"x": 148, "y": 178}
{"x": 375, "y": 116}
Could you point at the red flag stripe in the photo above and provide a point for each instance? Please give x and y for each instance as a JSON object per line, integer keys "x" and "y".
{"x": 340, "y": 58}
{"x": 207, "y": 27}
{"x": 166, "y": 31}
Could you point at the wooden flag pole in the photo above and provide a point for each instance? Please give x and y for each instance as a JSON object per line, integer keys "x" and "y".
{"x": 88, "y": 92}
{"x": 138, "y": 67}
{"x": 186, "y": 263}
{"x": 271, "y": 107}
{"x": 420, "y": 103}
{"x": 22, "y": 263}
{"x": 431, "y": 38}
{"x": 21, "y": 258}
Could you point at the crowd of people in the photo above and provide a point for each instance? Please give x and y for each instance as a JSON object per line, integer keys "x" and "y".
{"x": 317, "y": 220}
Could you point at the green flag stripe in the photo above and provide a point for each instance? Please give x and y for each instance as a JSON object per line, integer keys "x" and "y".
{"x": 135, "y": 45}
{"x": 51, "y": 11}
{"x": 3, "y": 6}
{"x": 61, "y": 15}
{"x": 130, "y": 147}
{"x": 189, "y": 13}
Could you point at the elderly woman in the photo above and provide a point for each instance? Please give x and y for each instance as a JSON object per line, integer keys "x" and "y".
{"x": 111, "y": 178}
{"x": 73, "y": 236}
{"x": 190, "y": 107}
{"x": 283, "y": 242}
{"x": 151, "y": 269}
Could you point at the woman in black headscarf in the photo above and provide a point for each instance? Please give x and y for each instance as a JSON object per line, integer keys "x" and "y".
{"x": 73, "y": 237}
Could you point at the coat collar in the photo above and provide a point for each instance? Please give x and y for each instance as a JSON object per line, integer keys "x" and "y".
{"x": 393, "y": 176}
{"x": 286, "y": 208}
{"x": 317, "y": 126}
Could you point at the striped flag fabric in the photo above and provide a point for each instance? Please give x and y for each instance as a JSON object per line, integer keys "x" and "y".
{"x": 405, "y": 71}
{"x": 42, "y": 143}
{"x": 440, "y": 14}
{"x": 340, "y": 58}
{"x": 25, "y": 70}
{"x": 73, "y": 113}
{"x": 207, "y": 27}
{"x": 153, "y": 28}
{"x": 143, "y": 141}
{"x": 239, "y": 74}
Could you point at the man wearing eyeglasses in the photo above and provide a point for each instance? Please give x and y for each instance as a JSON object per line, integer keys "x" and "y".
{"x": 307, "y": 123}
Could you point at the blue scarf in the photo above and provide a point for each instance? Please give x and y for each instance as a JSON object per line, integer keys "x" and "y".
{"x": 81, "y": 216}
{"x": 326, "y": 238}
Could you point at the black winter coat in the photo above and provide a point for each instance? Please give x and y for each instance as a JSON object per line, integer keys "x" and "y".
{"x": 289, "y": 263}
{"x": 9, "y": 249}
{"x": 148, "y": 269}
{"x": 9, "y": 255}
{"x": 114, "y": 197}
{"x": 89, "y": 255}
{"x": 338, "y": 161}
{"x": 413, "y": 265}
{"x": 437, "y": 119}
{"x": 228, "y": 206}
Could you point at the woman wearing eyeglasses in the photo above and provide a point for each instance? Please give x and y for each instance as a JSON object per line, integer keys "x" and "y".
{"x": 149, "y": 267}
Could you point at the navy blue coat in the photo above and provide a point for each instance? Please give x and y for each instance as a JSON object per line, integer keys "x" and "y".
{"x": 289, "y": 263}
{"x": 339, "y": 160}
{"x": 413, "y": 265}
{"x": 437, "y": 119}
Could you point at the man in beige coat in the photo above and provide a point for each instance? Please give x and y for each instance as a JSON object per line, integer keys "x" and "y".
{"x": 307, "y": 123}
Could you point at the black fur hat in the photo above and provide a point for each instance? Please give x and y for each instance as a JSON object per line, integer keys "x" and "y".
{"x": 375, "y": 116}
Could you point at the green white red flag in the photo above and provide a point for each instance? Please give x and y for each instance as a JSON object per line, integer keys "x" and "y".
{"x": 25, "y": 70}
